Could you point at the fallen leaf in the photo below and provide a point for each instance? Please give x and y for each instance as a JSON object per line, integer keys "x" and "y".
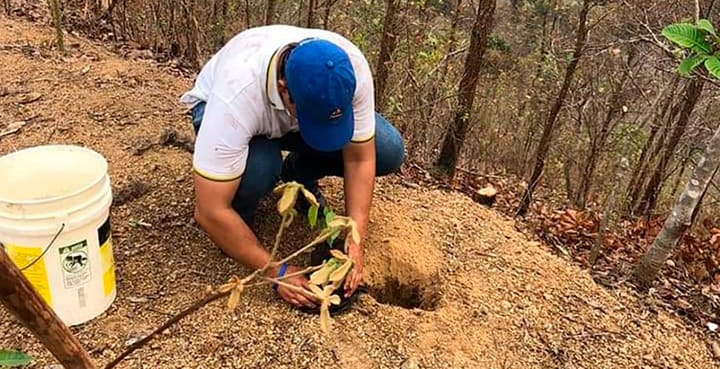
{"x": 29, "y": 98}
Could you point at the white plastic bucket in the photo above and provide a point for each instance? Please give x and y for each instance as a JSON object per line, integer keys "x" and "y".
{"x": 62, "y": 191}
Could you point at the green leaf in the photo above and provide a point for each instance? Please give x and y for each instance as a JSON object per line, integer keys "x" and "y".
{"x": 13, "y": 358}
{"x": 329, "y": 216}
{"x": 690, "y": 63}
{"x": 333, "y": 237}
{"x": 705, "y": 25}
{"x": 712, "y": 64}
{"x": 312, "y": 216}
{"x": 687, "y": 35}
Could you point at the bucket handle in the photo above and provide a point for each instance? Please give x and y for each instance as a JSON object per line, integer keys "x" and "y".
{"x": 62, "y": 226}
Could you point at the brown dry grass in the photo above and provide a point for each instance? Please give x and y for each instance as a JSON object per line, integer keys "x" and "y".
{"x": 491, "y": 298}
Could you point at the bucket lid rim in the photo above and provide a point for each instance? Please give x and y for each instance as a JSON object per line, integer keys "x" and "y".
{"x": 82, "y": 189}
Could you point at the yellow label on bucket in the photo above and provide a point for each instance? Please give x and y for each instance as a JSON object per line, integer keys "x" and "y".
{"x": 108, "y": 265}
{"x": 36, "y": 274}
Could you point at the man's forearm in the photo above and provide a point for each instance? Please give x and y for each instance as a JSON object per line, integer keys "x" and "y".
{"x": 229, "y": 232}
{"x": 359, "y": 184}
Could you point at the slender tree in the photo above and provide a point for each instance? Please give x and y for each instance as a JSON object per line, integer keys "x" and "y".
{"x": 599, "y": 139}
{"x": 269, "y": 12}
{"x": 546, "y": 139}
{"x": 56, "y": 13}
{"x": 387, "y": 46}
{"x": 682, "y": 214}
{"x": 310, "y": 20}
{"x": 23, "y": 302}
{"x": 458, "y": 128}
{"x": 649, "y": 198}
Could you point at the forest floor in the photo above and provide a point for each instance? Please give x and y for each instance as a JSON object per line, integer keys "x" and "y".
{"x": 453, "y": 284}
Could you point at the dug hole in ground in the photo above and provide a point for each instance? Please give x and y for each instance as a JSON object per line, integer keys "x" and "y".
{"x": 452, "y": 284}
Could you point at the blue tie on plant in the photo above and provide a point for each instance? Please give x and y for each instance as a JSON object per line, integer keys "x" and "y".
{"x": 699, "y": 43}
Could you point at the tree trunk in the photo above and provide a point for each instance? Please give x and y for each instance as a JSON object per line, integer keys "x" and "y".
{"x": 269, "y": 12}
{"x": 455, "y": 136}
{"x": 649, "y": 198}
{"x": 387, "y": 46}
{"x": 310, "y": 14}
{"x": 326, "y": 17}
{"x": 681, "y": 216}
{"x": 546, "y": 138}
{"x": 681, "y": 173}
{"x": 57, "y": 20}
{"x": 8, "y": 7}
{"x": 220, "y": 9}
{"x": 656, "y": 116}
{"x": 608, "y": 211}
{"x": 597, "y": 142}
{"x": 20, "y": 299}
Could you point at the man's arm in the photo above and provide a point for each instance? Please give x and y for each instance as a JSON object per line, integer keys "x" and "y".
{"x": 227, "y": 229}
{"x": 359, "y": 159}
{"x": 224, "y": 226}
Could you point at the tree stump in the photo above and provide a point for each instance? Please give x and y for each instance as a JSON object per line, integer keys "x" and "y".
{"x": 485, "y": 196}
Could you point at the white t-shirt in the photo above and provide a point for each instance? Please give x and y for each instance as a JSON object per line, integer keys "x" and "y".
{"x": 239, "y": 84}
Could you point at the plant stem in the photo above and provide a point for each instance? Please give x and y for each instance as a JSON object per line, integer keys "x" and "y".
{"x": 305, "y": 248}
{"x": 301, "y": 272}
{"x": 194, "y": 307}
{"x": 292, "y": 287}
{"x": 284, "y": 223}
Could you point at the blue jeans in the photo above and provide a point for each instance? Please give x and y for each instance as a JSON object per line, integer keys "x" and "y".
{"x": 264, "y": 162}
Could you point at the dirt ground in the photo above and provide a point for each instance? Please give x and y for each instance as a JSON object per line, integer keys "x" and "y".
{"x": 452, "y": 284}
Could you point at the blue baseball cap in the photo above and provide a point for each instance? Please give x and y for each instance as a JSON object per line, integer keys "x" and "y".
{"x": 321, "y": 82}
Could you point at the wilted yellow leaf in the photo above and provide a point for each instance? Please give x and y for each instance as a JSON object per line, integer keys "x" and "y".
{"x": 354, "y": 233}
{"x": 279, "y": 188}
{"x": 288, "y": 199}
{"x": 341, "y": 272}
{"x": 338, "y": 222}
{"x": 334, "y": 299}
{"x": 316, "y": 290}
{"x": 321, "y": 276}
{"x": 310, "y": 197}
{"x": 325, "y": 318}
{"x": 234, "y": 299}
{"x": 337, "y": 254}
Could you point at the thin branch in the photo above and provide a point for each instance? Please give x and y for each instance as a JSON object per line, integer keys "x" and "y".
{"x": 194, "y": 307}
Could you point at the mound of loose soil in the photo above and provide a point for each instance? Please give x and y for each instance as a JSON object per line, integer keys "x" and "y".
{"x": 451, "y": 284}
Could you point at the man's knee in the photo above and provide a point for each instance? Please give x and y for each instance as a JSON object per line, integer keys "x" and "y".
{"x": 389, "y": 147}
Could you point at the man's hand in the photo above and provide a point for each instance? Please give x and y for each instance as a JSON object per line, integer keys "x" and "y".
{"x": 355, "y": 278}
{"x": 294, "y": 297}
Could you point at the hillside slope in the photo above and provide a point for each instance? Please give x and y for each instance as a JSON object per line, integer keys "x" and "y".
{"x": 452, "y": 284}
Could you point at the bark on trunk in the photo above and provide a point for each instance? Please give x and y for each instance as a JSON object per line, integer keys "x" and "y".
{"x": 598, "y": 141}
{"x": 57, "y": 21}
{"x": 269, "y": 12}
{"x": 545, "y": 140}
{"x": 681, "y": 217}
{"x": 608, "y": 211}
{"x": 310, "y": 20}
{"x": 220, "y": 10}
{"x": 636, "y": 178}
{"x": 20, "y": 299}
{"x": 326, "y": 17}
{"x": 457, "y": 130}
{"x": 387, "y": 46}
{"x": 649, "y": 198}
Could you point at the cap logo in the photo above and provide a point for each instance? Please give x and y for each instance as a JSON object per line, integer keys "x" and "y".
{"x": 337, "y": 113}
